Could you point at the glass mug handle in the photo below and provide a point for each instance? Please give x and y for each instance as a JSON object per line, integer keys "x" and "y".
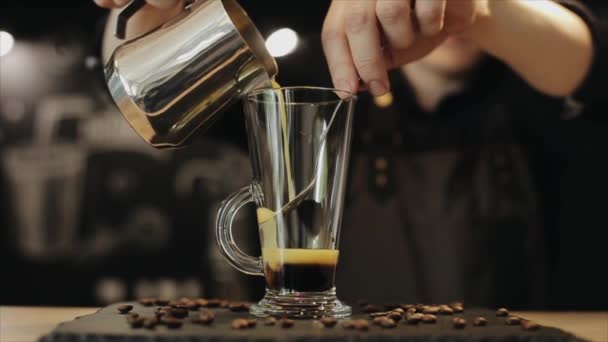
{"x": 223, "y": 233}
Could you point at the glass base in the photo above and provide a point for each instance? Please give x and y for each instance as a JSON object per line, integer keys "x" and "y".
{"x": 301, "y": 305}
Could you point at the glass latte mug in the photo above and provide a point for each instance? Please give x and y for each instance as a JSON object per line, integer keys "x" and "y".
{"x": 299, "y": 142}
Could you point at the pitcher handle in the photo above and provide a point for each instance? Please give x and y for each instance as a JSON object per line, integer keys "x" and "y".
{"x": 225, "y": 240}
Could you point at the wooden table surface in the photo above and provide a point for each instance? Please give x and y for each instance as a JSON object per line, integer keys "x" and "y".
{"x": 27, "y": 324}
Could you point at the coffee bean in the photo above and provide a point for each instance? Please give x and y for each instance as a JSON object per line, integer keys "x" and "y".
{"x": 192, "y": 306}
{"x": 214, "y": 303}
{"x": 369, "y": 308}
{"x": 502, "y": 312}
{"x": 361, "y": 324}
{"x": 378, "y": 314}
{"x": 459, "y": 322}
{"x": 150, "y": 322}
{"x": 160, "y": 312}
{"x": 179, "y": 312}
{"x": 378, "y": 320}
{"x": 286, "y": 323}
{"x": 224, "y": 304}
{"x": 388, "y": 323}
{"x": 136, "y": 322}
{"x": 395, "y": 316}
{"x": 391, "y": 306}
{"x": 252, "y": 322}
{"x": 161, "y": 302}
{"x": 410, "y": 311}
{"x": 419, "y": 307}
{"x": 457, "y": 309}
{"x": 132, "y": 315}
{"x": 407, "y": 306}
{"x": 328, "y": 322}
{"x": 530, "y": 325}
{"x": 400, "y": 310}
{"x": 480, "y": 321}
{"x": 433, "y": 310}
{"x": 171, "y": 322}
{"x": 512, "y": 320}
{"x": 349, "y": 324}
{"x": 123, "y": 309}
{"x": 445, "y": 310}
{"x": 456, "y": 303}
{"x": 205, "y": 317}
{"x": 429, "y": 318}
{"x": 413, "y": 318}
{"x": 240, "y": 323}
{"x": 239, "y": 307}
{"x": 201, "y": 302}
{"x": 148, "y": 301}
{"x": 270, "y": 321}
{"x": 178, "y": 305}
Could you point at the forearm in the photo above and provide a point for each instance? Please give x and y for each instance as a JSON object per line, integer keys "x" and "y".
{"x": 548, "y": 45}
{"x": 143, "y": 21}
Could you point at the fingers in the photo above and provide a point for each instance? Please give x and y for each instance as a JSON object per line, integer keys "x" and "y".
{"x": 105, "y": 3}
{"x": 430, "y": 15}
{"x": 395, "y": 18}
{"x": 163, "y": 4}
{"x": 363, "y": 36}
{"x": 337, "y": 50}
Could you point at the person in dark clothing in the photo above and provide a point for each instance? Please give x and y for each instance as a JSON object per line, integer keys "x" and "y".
{"x": 442, "y": 203}
{"x": 442, "y": 180}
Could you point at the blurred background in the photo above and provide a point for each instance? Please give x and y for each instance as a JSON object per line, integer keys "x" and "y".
{"x": 91, "y": 215}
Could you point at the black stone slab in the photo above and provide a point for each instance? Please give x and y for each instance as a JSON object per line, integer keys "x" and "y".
{"x": 108, "y": 325}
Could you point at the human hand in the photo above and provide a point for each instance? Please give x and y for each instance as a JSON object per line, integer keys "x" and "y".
{"x": 362, "y": 39}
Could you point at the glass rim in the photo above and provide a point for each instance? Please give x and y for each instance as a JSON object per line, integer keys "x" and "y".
{"x": 350, "y": 97}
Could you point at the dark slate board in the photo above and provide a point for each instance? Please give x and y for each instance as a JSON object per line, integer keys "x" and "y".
{"x": 108, "y": 325}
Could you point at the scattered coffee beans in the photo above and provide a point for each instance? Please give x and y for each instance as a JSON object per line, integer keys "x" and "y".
{"x": 395, "y": 316}
{"x": 480, "y": 321}
{"x": 512, "y": 320}
{"x": 240, "y": 323}
{"x": 433, "y": 310}
{"x": 413, "y": 318}
{"x": 171, "y": 322}
{"x": 205, "y": 317}
{"x": 239, "y": 307}
{"x": 135, "y": 322}
{"x": 179, "y": 312}
{"x": 328, "y": 322}
{"x": 378, "y": 314}
{"x": 428, "y": 318}
{"x": 150, "y": 322}
{"x": 147, "y": 301}
{"x": 399, "y": 310}
{"x": 459, "y": 322}
{"x": 160, "y": 312}
{"x": 388, "y": 323}
{"x": 123, "y": 309}
{"x": 445, "y": 310}
{"x": 530, "y": 326}
{"x": 502, "y": 312}
{"x": 286, "y": 323}
{"x": 270, "y": 321}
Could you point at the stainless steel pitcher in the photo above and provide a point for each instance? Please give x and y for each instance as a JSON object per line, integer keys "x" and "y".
{"x": 179, "y": 77}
